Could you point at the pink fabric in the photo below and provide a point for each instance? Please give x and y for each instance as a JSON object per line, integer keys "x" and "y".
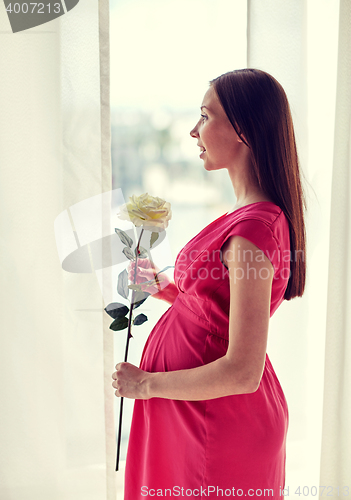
{"x": 210, "y": 447}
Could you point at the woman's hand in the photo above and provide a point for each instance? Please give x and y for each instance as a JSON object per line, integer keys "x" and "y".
{"x": 130, "y": 381}
{"x": 146, "y": 271}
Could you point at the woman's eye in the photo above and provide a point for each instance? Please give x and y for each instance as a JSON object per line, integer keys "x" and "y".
{"x": 203, "y": 116}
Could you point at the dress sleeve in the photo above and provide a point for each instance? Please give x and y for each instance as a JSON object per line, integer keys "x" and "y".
{"x": 261, "y": 235}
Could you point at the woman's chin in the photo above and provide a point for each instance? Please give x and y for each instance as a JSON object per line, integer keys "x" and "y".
{"x": 208, "y": 166}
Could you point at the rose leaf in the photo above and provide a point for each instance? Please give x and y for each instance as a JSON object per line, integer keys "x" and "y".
{"x": 122, "y": 284}
{"x": 128, "y": 253}
{"x": 154, "y": 237}
{"x": 139, "y": 298}
{"x": 119, "y": 324}
{"x": 116, "y": 310}
{"x": 125, "y": 239}
{"x": 140, "y": 319}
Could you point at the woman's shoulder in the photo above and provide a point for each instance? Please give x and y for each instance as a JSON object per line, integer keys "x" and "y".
{"x": 264, "y": 224}
{"x": 265, "y": 211}
{"x": 256, "y": 217}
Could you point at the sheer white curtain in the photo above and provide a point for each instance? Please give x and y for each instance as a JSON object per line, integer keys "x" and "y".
{"x": 276, "y": 35}
{"x": 336, "y": 443}
{"x": 307, "y": 46}
{"x": 57, "y": 433}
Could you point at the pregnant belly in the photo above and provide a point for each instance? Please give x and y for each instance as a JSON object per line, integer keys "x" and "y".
{"x": 175, "y": 343}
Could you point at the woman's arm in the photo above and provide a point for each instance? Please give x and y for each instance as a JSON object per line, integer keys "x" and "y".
{"x": 240, "y": 370}
{"x": 168, "y": 294}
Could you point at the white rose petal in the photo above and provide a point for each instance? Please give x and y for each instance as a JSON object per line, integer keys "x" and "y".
{"x": 150, "y": 212}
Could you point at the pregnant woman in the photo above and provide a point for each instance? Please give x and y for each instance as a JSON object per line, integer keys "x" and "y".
{"x": 210, "y": 417}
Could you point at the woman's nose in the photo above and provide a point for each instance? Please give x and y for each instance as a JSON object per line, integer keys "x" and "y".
{"x": 193, "y": 132}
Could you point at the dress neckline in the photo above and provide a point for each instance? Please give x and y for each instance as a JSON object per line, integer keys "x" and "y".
{"x": 249, "y": 205}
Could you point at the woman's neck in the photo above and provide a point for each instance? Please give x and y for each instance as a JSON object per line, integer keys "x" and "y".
{"x": 245, "y": 189}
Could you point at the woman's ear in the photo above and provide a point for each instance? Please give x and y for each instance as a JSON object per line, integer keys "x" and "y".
{"x": 242, "y": 138}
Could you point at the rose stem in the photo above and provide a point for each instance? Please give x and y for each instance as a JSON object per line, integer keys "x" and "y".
{"x": 126, "y": 351}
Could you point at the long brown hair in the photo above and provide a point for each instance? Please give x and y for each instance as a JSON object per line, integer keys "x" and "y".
{"x": 258, "y": 109}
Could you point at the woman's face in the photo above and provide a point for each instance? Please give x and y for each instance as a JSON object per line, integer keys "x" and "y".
{"x": 219, "y": 143}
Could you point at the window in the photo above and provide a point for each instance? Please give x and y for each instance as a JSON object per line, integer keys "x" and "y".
{"x": 163, "y": 55}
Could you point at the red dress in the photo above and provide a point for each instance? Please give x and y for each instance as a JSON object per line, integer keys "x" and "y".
{"x": 212, "y": 448}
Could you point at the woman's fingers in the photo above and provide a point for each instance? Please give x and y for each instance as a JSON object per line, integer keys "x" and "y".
{"x": 145, "y": 263}
{"x": 143, "y": 273}
{"x": 146, "y": 271}
{"x": 128, "y": 381}
{"x": 141, "y": 276}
